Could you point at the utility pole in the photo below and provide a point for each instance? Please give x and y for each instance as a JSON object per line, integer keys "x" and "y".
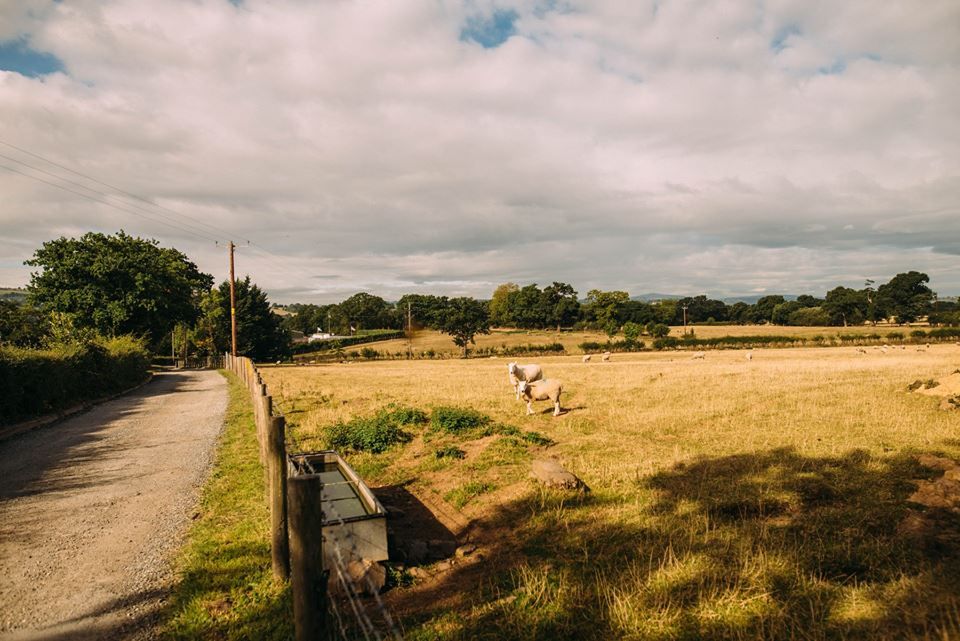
{"x": 409, "y": 332}
{"x": 684, "y": 320}
{"x": 233, "y": 308}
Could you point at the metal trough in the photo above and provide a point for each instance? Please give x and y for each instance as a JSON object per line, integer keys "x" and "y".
{"x": 354, "y": 521}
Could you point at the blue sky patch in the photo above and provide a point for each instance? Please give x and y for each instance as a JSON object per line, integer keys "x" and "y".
{"x": 839, "y": 66}
{"x": 492, "y": 31}
{"x": 779, "y": 42}
{"x": 16, "y": 55}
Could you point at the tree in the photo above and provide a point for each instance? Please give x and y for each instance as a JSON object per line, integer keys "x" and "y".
{"x": 559, "y": 305}
{"x": 117, "y": 284}
{"x": 781, "y": 312}
{"x": 906, "y": 296}
{"x": 809, "y": 317}
{"x": 845, "y": 306}
{"x": 603, "y": 307}
{"x": 632, "y": 331}
{"x": 658, "y": 330}
{"x": 762, "y": 311}
{"x": 739, "y": 312}
{"x": 366, "y": 311}
{"x": 500, "y": 313}
{"x": 426, "y": 310}
{"x": 21, "y": 325}
{"x": 260, "y": 334}
{"x": 463, "y": 319}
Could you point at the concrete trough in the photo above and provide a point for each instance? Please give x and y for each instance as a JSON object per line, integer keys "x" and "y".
{"x": 354, "y": 521}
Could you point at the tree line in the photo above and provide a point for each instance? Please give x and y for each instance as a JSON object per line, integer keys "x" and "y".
{"x": 112, "y": 285}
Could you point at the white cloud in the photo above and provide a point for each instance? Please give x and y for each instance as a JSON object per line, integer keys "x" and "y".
{"x": 608, "y": 144}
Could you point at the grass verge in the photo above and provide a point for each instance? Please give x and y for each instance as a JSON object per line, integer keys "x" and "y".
{"x": 225, "y": 588}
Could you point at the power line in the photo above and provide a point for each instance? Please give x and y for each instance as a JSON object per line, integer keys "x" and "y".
{"x": 98, "y": 192}
{"x": 194, "y": 226}
{"x": 110, "y": 204}
{"x": 115, "y": 188}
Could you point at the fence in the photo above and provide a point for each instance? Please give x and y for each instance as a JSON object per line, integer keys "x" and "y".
{"x": 296, "y": 526}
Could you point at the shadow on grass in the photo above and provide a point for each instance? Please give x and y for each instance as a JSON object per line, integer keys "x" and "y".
{"x": 769, "y": 545}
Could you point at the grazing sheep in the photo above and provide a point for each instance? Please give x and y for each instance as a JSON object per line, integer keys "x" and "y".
{"x": 749, "y": 356}
{"x": 542, "y": 390}
{"x": 861, "y": 350}
{"x": 586, "y": 359}
{"x": 699, "y": 356}
{"x": 605, "y": 357}
{"x": 520, "y": 373}
{"x": 884, "y": 349}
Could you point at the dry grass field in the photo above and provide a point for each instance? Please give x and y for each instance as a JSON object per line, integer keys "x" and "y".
{"x": 425, "y": 340}
{"x": 729, "y": 499}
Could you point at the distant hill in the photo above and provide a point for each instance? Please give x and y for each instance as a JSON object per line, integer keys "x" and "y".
{"x": 753, "y": 298}
{"x": 646, "y": 298}
{"x": 13, "y": 295}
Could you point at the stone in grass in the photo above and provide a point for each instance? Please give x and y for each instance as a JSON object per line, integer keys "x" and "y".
{"x": 552, "y": 474}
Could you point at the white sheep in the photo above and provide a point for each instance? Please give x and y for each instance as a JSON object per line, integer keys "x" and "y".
{"x": 749, "y": 356}
{"x": 586, "y": 359}
{"x": 542, "y": 390}
{"x": 861, "y": 350}
{"x": 699, "y": 356}
{"x": 518, "y": 373}
{"x": 605, "y": 357}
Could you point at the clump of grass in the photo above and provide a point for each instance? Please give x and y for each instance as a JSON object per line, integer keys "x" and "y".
{"x": 462, "y": 494}
{"x": 449, "y": 451}
{"x": 457, "y": 420}
{"x": 376, "y": 433}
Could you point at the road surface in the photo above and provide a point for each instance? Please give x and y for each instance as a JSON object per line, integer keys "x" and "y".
{"x": 91, "y": 510}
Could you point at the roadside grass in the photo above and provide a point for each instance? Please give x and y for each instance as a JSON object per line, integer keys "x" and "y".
{"x": 225, "y": 587}
{"x": 731, "y": 499}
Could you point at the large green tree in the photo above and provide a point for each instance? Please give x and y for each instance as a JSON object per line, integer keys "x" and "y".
{"x": 463, "y": 319}
{"x": 117, "y": 284}
{"x": 906, "y": 296}
{"x": 559, "y": 305}
{"x": 500, "y": 312}
{"x": 260, "y": 334}
{"x": 366, "y": 311}
{"x": 846, "y": 306}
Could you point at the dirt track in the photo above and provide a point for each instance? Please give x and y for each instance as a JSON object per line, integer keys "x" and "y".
{"x": 91, "y": 509}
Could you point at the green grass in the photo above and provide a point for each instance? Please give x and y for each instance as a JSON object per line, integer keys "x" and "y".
{"x": 225, "y": 588}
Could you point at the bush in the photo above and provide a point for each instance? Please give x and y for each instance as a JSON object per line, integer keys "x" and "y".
{"x": 376, "y": 433}
{"x": 457, "y": 419}
{"x": 369, "y": 352}
{"x": 918, "y": 333}
{"x": 37, "y": 382}
{"x": 450, "y": 451}
{"x": 666, "y": 342}
{"x": 659, "y": 330}
{"x": 632, "y": 331}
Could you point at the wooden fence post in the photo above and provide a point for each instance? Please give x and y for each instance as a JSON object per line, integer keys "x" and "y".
{"x": 277, "y": 473}
{"x": 307, "y": 580}
{"x": 266, "y": 413}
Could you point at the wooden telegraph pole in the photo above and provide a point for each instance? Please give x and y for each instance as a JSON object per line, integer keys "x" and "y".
{"x": 233, "y": 308}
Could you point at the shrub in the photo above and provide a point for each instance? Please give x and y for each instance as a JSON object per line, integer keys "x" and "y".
{"x": 369, "y": 352}
{"x": 666, "y": 342}
{"x": 659, "y": 330}
{"x": 37, "y": 382}
{"x": 632, "y": 331}
{"x": 457, "y": 419}
{"x": 450, "y": 451}
{"x": 376, "y": 433}
{"x": 918, "y": 333}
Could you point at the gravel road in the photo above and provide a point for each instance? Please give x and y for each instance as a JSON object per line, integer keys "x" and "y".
{"x": 92, "y": 508}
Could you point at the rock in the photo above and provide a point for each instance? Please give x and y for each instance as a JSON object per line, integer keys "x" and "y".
{"x": 465, "y": 550}
{"x": 936, "y": 462}
{"x": 366, "y": 577}
{"x": 552, "y": 474}
{"x": 442, "y": 548}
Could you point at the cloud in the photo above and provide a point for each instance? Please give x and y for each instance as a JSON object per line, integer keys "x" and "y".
{"x": 447, "y": 147}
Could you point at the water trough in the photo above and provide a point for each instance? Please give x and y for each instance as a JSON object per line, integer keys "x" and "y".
{"x": 353, "y": 519}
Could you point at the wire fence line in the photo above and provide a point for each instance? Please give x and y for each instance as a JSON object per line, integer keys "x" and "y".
{"x": 353, "y": 616}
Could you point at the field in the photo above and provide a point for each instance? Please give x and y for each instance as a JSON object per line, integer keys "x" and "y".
{"x": 425, "y": 340}
{"x": 729, "y": 499}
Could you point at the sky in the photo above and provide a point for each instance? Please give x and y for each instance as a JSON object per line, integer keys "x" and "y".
{"x": 438, "y": 146}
